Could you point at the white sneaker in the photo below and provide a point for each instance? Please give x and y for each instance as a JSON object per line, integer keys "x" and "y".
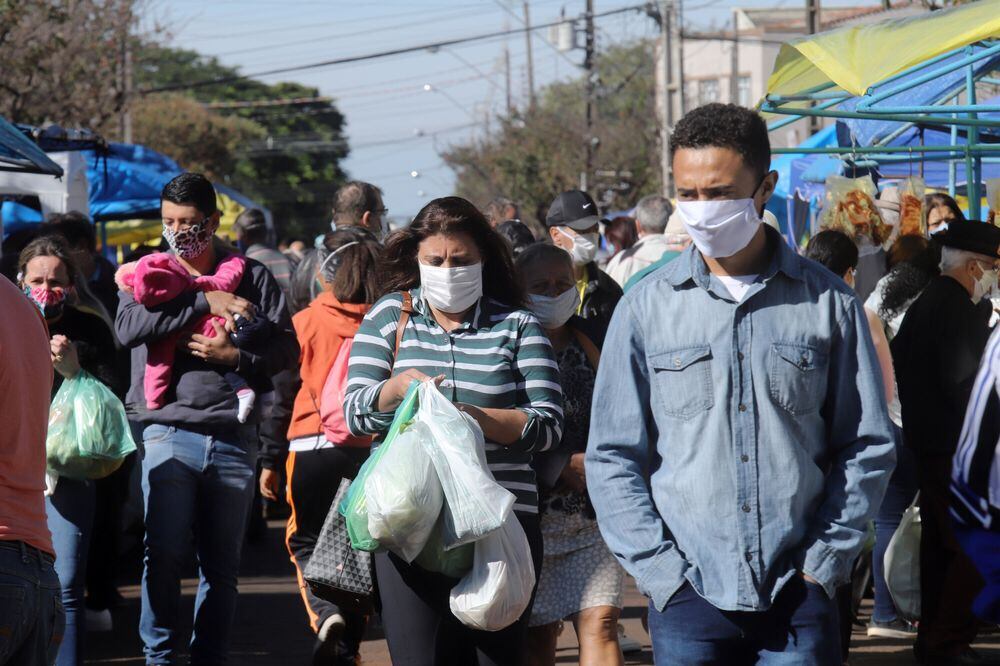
{"x": 98, "y": 620}
{"x": 333, "y": 626}
{"x": 627, "y": 644}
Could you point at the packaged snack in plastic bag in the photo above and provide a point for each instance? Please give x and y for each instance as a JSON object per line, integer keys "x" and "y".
{"x": 496, "y": 592}
{"x": 404, "y": 495}
{"x": 475, "y": 504}
{"x": 911, "y": 207}
{"x": 850, "y": 208}
{"x": 89, "y": 435}
{"x": 454, "y": 563}
{"x": 354, "y": 509}
{"x": 993, "y": 196}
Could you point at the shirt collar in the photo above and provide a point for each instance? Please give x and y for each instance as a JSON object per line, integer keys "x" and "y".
{"x": 692, "y": 267}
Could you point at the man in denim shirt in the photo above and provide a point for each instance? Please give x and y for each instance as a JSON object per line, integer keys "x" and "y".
{"x": 743, "y": 442}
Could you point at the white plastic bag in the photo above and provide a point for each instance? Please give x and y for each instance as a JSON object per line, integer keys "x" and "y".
{"x": 497, "y": 591}
{"x": 404, "y": 495}
{"x": 902, "y": 565}
{"x": 475, "y": 504}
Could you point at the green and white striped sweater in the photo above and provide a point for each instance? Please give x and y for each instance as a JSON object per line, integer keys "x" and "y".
{"x": 498, "y": 358}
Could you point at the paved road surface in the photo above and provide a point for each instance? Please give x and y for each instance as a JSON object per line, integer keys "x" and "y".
{"x": 271, "y": 625}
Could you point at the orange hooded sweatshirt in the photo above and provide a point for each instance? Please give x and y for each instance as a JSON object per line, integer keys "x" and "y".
{"x": 320, "y": 329}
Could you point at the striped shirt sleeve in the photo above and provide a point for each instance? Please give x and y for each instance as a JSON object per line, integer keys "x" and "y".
{"x": 370, "y": 367}
{"x": 539, "y": 393}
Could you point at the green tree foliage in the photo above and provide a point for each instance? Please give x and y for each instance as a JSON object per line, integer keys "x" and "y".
{"x": 285, "y": 156}
{"x": 540, "y": 152}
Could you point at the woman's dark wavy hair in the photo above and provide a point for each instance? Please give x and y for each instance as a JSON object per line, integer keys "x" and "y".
{"x": 908, "y": 279}
{"x": 451, "y": 215}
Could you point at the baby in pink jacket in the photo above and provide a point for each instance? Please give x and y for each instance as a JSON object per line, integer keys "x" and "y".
{"x": 158, "y": 278}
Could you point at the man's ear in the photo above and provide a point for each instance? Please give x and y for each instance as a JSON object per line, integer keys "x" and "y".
{"x": 554, "y": 236}
{"x": 214, "y": 220}
{"x": 365, "y": 219}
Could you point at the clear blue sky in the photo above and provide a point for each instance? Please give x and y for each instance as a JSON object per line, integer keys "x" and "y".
{"x": 394, "y": 126}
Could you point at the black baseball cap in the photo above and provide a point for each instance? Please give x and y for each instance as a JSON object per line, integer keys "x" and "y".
{"x": 251, "y": 219}
{"x": 574, "y": 209}
{"x": 971, "y": 236}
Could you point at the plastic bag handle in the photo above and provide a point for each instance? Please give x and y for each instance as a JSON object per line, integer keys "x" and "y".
{"x": 404, "y": 318}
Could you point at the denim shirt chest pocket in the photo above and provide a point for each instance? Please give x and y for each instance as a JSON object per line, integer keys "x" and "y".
{"x": 797, "y": 376}
{"x": 683, "y": 380}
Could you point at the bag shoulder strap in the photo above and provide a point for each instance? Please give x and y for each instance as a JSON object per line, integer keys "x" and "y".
{"x": 589, "y": 348}
{"x": 404, "y": 318}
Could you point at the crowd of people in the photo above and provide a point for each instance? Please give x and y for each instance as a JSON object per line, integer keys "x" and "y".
{"x": 679, "y": 395}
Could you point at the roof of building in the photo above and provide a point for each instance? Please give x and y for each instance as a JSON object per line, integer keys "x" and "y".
{"x": 793, "y": 19}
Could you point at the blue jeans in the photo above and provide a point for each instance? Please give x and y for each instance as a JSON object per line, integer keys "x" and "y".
{"x": 31, "y": 612}
{"x": 70, "y": 512}
{"x": 199, "y": 485}
{"x": 898, "y": 496}
{"x": 801, "y": 627}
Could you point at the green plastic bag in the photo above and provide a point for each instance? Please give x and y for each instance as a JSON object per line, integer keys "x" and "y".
{"x": 454, "y": 563}
{"x": 354, "y": 508}
{"x": 88, "y": 436}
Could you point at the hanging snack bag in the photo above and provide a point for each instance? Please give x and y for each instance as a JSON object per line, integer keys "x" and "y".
{"x": 911, "y": 207}
{"x": 850, "y": 208}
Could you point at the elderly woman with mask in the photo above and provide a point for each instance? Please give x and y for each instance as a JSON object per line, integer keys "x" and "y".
{"x": 580, "y": 579}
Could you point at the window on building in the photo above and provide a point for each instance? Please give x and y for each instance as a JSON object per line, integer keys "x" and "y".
{"x": 708, "y": 91}
{"x": 743, "y": 91}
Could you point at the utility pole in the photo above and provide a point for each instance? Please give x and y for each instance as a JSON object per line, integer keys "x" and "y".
{"x": 506, "y": 69}
{"x": 734, "y": 64}
{"x": 813, "y": 26}
{"x": 666, "y": 93}
{"x": 531, "y": 64}
{"x": 681, "y": 83}
{"x": 588, "y": 66}
{"x": 125, "y": 115}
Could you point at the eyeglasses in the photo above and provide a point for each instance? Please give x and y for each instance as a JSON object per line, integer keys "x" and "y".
{"x": 381, "y": 211}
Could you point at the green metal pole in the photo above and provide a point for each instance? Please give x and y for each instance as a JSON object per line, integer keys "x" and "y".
{"x": 972, "y": 167}
{"x": 952, "y": 167}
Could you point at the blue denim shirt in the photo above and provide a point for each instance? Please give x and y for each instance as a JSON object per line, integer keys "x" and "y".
{"x": 735, "y": 444}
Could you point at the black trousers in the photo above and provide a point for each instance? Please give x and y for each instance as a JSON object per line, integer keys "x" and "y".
{"x": 949, "y": 581}
{"x": 419, "y": 625}
{"x": 313, "y": 478}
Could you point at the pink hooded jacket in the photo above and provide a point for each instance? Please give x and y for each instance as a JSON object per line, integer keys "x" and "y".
{"x": 158, "y": 278}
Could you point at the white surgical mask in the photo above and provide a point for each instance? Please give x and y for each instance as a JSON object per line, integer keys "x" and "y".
{"x": 451, "y": 290}
{"x": 584, "y": 246}
{"x": 984, "y": 286}
{"x": 554, "y": 311}
{"x": 943, "y": 227}
{"x": 720, "y": 229}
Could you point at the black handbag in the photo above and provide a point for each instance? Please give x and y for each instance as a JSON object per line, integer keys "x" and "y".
{"x": 335, "y": 571}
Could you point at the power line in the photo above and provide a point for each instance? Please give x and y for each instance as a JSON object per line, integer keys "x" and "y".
{"x": 373, "y": 56}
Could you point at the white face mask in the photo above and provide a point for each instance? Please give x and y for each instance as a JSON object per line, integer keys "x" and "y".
{"x": 584, "y": 246}
{"x": 984, "y": 285}
{"x": 451, "y": 290}
{"x": 720, "y": 229}
{"x": 943, "y": 227}
{"x": 554, "y": 311}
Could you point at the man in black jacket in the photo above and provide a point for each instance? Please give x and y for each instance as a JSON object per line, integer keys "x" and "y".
{"x": 573, "y": 225}
{"x": 198, "y": 469}
{"x": 936, "y": 356}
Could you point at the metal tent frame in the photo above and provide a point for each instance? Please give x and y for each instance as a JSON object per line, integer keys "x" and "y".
{"x": 977, "y": 60}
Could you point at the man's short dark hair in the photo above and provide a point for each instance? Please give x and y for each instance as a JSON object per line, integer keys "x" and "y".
{"x": 253, "y": 225}
{"x": 75, "y": 227}
{"x": 191, "y": 189}
{"x": 726, "y": 126}
{"x": 833, "y": 249}
{"x": 353, "y": 200}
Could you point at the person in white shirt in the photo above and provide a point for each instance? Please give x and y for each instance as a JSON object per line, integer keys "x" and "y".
{"x": 651, "y": 216}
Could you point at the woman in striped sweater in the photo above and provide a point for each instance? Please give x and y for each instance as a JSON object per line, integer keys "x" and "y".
{"x": 468, "y": 330}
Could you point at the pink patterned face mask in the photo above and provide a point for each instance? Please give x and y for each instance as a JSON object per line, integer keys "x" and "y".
{"x": 49, "y": 301}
